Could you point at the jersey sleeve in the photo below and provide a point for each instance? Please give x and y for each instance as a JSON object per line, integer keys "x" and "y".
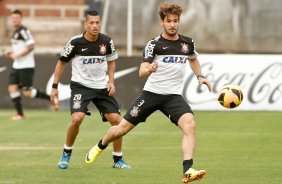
{"x": 26, "y": 35}
{"x": 68, "y": 52}
{"x": 112, "y": 53}
{"x": 192, "y": 53}
{"x": 149, "y": 52}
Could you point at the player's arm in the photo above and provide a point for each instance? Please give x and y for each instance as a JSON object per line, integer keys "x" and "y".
{"x": 147, "y": 68}
{"x": 196, "y": 68}
{"x": 25, "y": 52}
{"x": 111, "y": 74}
{"x": 148, "y": 65}
{"x": 59, "y": 70}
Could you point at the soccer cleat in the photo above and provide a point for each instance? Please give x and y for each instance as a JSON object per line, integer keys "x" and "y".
{"x": 93, "y": 154}
{"x": 121, "y": 165}
{"x": 17, "y": 117}
{"x": 192, "y": 175}
{"x": 64, "y": 162}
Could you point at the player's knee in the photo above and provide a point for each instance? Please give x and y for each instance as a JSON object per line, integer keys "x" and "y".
{"x": 77, "y": 119}
{"x": 192, "y": 124}
{"x": 119, "y": 131}
{"x": 114, "y": 118}
{"x": 13, "y": 88}
{"x": 187, "y": 124}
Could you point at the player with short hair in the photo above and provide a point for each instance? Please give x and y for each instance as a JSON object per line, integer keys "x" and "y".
{"x": 164, "y": 63}
{"x": 21, "y": 76}
{"x": 93, "y": 57}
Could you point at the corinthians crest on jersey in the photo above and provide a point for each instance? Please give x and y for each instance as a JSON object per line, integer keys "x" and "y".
{"x": 103, "y": 49}
{"x": 184, "y": 48}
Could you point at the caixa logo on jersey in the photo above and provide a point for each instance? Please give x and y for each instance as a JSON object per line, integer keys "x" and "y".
{"x": 175, "y": 59}
{"x": 260, "y": 80}
{"x": 88, "y": 61}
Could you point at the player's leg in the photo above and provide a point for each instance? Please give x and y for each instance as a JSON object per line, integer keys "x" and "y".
{"x": 35, "y": 93}
{"x": 188, "y": 126}
{"x": 181, "y": 114}
{"x": 15, "y": 94}
{"x": 109, "y": 110}
{"x": 26, "y": 80}
{"x": 114, "y": 119}
{"x": 138, "y": 112}
{"x": 79, "y": 101}
{"x": 72, "y": 132}
{"x": 115, "y": 132}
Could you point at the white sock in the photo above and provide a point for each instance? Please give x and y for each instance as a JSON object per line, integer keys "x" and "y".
{"x": 15, "y": 94}
{"x": 33, "y": 93}
{"x": 67, "y": 148}
{"x": 117, "y": 153}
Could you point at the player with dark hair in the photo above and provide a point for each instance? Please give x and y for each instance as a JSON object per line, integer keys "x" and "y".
{"x": 93, "y": 57}
{"x": 164, "y": 63}
{"x": 21, "y": 76}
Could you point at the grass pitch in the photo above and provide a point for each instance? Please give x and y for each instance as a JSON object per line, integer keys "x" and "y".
{"x": 234, "y": 147}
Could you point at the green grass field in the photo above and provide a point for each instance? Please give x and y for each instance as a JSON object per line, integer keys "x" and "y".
{"x": 234, "y": 147}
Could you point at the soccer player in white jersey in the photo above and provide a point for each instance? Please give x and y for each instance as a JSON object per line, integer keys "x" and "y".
{"x": 165, "y": 61}
{"x": 93, "y": 57}
{"x": 21, "y": 76}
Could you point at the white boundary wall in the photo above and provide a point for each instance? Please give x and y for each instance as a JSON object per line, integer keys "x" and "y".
{"x": 260, "y": 77}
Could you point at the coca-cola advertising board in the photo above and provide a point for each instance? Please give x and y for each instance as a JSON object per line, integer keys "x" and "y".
{"x": 260, "y": 77}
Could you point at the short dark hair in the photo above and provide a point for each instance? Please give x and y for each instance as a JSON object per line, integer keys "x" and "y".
{"x": 16, "y": 11}
{"x": 91, "y": 13}
{"x": 169, "y": 8}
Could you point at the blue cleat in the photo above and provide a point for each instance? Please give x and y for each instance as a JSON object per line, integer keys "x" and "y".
{"x": 121, "y": 165}
{"x": 64, "y": 162}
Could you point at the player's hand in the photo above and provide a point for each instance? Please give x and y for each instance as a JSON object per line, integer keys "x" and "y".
{"x": 203, "y": 80}
{"x": 153, "y": 67}
{"x": 7, "y": 53}
{"x": 111, "y": 89}
{"x": 54, "y": 95}
{"x": 14, "y": 56}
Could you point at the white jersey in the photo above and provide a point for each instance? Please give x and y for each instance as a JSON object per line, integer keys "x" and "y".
{"x": 21, "y": 39}
{"x": 172, "y": 58}
{"x": 89, "y": 60}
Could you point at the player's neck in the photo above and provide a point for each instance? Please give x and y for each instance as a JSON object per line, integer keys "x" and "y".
{"x": 90, "y": 37}
{"x": 170, "y": 37}
{"x": 17, "y": 26}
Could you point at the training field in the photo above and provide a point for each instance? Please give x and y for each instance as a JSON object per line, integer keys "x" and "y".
{"x": 234, "y": 148}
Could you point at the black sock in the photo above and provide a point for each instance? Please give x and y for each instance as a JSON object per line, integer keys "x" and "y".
{"x": 101, "y": 146}
{"x": 18, "y": 105}
{"x": 187, "y": 164}
{"x": 40, "y": 94}
{"x": 68, "y": 151}
{"x": 117, "y": 158}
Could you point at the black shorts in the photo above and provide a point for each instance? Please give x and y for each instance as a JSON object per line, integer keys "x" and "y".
{"x": 22, "y": 77}
{"x": 81, "y": 96}
{"x": 173, "y": 106}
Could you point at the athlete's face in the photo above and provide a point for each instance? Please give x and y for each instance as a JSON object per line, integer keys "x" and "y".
{"x": 170, "y": 24}
{"x": 92, "y": 25}
{"x": 16, "y": 20}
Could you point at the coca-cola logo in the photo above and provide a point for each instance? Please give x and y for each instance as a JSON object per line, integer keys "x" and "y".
{"x": 263, "y": 86}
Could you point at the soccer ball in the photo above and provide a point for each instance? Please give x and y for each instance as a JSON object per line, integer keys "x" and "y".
{"x": 230, "y": 96}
